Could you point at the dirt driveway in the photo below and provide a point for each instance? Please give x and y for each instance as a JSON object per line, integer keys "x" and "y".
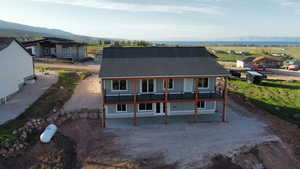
{"x": 19, "y": 102}
{"x": 86, "y": 95}
{"x": 191, "y": 143}
{"x": 82, "y": 67}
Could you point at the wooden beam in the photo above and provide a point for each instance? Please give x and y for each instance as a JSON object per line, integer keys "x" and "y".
{"x": 103, "y": 118}
{"x": 134, "y": 102}
{"x": 225, "y": 118}
{"x": 163, "y": 78}
{"x": 196, "y": 98}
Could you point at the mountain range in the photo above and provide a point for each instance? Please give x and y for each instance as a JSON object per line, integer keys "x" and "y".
{"x": 25, "y": 32}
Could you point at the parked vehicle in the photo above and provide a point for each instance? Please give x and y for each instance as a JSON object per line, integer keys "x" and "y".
{"x": 293, "y": 67}
{"x": 235, "y": 73}
{"x": 258, "y": 67}
{"x": 254, "y": 77}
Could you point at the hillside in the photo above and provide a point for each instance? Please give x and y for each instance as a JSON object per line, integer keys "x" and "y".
{"x": 25, "y": 32}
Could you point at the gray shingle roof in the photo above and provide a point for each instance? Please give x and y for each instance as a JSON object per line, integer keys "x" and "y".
{"x": 159, "y": 62}
{"x": 5, "y": 42}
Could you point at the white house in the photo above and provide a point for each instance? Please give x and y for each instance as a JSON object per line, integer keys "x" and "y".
{"x": 16, "y": 67}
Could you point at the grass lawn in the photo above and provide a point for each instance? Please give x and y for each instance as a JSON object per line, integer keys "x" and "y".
{"x": 54, "y": 97}
{"x": 256, "y": 50}
{"x": 280, "y": 98}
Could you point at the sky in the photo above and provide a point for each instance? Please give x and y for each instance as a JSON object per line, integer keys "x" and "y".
{"x": 176, "y": 20}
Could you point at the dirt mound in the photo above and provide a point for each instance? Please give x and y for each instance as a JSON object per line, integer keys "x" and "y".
{"x": 271, "y": 155}
{"x": 59, "y": 154}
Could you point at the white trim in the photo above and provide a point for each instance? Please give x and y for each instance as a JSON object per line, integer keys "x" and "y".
{"x": 208, "y": 83}
{"x": 173, "y": 80}
{"x": 145, "y": 107}
{"x": 121, "y": 111}
{"x": 154, "y": 87}
{"x": 151, "y": 77}
{"x": 112, "y": 89}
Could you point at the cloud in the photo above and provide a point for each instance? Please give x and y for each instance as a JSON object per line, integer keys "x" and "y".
{"x": 136, "y": 7}
{"x": 291, "y": 4}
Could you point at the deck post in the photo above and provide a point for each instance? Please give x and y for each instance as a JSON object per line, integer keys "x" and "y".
{"x": 166, "y": 82}
{"x": 196, "y": 81}
{"x": 225, "y": 118}
{"x": 134, "y": 102}
{"x": 103, "y": 118}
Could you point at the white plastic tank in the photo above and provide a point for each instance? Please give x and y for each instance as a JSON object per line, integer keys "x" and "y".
{"x": 48, "y": 133}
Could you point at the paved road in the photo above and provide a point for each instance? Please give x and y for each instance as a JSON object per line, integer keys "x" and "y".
{"x": 86, "y": 95}
{"x": 19, "y": 102}
{"x": 283, "y": 72}
{"x": 84, "y": 67}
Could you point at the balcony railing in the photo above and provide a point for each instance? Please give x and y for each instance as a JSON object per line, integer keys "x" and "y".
{"x": 158, "y": 97}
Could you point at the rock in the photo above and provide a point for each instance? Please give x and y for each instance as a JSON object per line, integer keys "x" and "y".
{"x": 3, "y": 151}
{"x": 61, "y": 87}
{"x": 296, "y": 116}
{"x": 54, "y": 110}
{"x": 15, "y": 132}
{"x": 277, "y": 108}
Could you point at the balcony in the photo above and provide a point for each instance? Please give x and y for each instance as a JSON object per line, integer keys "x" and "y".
{"x": 159, "y": 97}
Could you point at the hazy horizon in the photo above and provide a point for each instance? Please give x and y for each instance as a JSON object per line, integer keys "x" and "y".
{"x": 164, "y": 20}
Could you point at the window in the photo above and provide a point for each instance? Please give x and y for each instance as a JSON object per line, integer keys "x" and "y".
{"x": 147, "y": 86}
{"x": 121, "y": 108}
{"x": 203, "y": 83}
{"x": 119, "y": 85}
{"x": 201, "y": 105}
{"x": 145, "y": 107}
{"x": 170, "y": 84}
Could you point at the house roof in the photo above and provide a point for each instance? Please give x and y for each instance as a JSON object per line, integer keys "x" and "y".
{"x": 54, "y": 40}
{"x": 247, "y": 59}
{"x": 5, "y": 42}
{"x": 264, "y": 59}
{"x": 159, "y": 62}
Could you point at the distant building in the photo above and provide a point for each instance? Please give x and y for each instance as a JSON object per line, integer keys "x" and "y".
{"x": 50, "y": 47}
{"x": 231, "y": 52}
{"x": 270, "y": 62}
{"x": 244, "y": 53}
{"x": 16, "y": 67}
{"x": 245, "y": 62}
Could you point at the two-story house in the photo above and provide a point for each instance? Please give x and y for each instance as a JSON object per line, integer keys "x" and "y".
{"x": 161, "y": 81}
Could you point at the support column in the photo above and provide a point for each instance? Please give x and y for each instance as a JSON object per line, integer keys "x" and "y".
{"x": 166, "y": 82}
{"x": 225, "y": 104}
{"x": 103, "y": 118}
{"x": 134, "y": 102}
{"x": 196, "y": 116}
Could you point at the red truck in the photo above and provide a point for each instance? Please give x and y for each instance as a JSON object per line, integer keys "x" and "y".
{"x": 258, "y": 68}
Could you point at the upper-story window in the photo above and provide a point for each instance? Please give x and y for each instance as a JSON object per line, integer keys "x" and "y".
{"x": 203, "y": 83}
{"x": 119, "y": 85}
{"x": 170, "y": 84}
{"x": 147, "y": 86}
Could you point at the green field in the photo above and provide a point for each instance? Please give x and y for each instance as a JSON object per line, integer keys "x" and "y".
{"x": 255, "y": 50}
{"x": 280, "y": 98}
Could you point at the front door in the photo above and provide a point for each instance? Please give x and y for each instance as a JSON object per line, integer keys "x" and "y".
{"x": 159, "y": 110}
{"x": 188, "y": 85}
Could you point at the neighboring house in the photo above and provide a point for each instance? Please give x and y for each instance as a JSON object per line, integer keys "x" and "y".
{"x": 161, "y": 81}
{"x": 49, "y": 47}
{"x": 245, "y": 62}
{"x": 16, "y": 67}
{"x": 270, "y": 62}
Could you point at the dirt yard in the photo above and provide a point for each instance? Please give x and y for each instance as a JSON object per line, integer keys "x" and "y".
{"x": 249, "y": 140}
{"x": 86, "y": 95}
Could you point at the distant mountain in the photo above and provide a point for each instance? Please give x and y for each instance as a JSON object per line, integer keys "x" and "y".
{"x": 262, "y": 38}
{"x": 25, "y": 32}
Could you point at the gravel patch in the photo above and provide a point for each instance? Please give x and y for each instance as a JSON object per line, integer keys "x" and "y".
{"x": 86, "y": 95}
{"x": 187, "y": 143}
